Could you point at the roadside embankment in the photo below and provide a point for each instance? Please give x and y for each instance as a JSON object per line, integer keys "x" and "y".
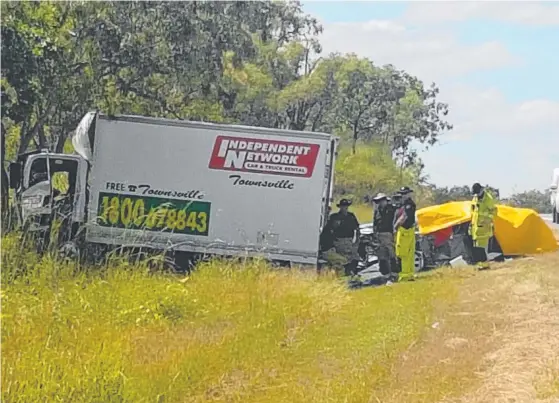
{"x": 245, "y": 332}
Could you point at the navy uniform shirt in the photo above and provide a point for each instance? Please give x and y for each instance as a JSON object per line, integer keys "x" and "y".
{"x": 343, "y": 225}
{"x": 384, "y": 219}
{"x": 409, "y": 211}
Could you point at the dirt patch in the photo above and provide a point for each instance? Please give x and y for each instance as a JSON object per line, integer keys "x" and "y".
{"x": 450, "y": 352}
{"x": 529, "y": 340}
{"x": 497, "y": 343}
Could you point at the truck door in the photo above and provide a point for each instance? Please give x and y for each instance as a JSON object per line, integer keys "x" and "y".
{"x": 51, "y": 190}
{"x": 36, "y": 193}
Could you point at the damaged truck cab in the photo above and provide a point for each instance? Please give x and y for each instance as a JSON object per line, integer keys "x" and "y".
{"x": 40, "y": 203}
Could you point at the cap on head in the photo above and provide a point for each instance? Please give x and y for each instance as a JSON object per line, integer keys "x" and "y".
{"x": 344, "y": 203}
{"x": 476, "y": 188}
{"x": 405, "y": 190}
{"x": 379, "y": 197}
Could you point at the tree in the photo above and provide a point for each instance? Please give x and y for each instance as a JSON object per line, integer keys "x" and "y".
{"x": 370, "y": 170}
{"x": 40, "y": 63}
{"x": 362, "y": 91}
{"x": 533, "y": 199}
{"x": 253, "y": 63}
{"x": 281, "y": 88}
{"x": 442, "y": 195}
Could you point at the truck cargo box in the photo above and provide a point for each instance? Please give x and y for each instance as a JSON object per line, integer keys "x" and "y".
{"x": 209, "y": 188}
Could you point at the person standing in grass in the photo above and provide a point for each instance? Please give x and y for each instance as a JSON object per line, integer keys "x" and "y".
{"x": 344, "y": 229}
{"x": 404, "y": 227}
{"x": 383, "y": 225}
{"x": 481, "y": 228}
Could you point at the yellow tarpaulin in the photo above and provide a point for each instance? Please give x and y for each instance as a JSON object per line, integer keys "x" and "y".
{"x": 519, "y": 231}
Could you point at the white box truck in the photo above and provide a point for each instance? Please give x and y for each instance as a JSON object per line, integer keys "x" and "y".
{"x": 187, "y": 186}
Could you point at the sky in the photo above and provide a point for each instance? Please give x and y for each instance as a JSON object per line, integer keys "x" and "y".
{"x": 496, "y": 64}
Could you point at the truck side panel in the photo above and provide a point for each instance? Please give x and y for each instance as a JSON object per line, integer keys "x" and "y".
{"x": 206, "y": 190}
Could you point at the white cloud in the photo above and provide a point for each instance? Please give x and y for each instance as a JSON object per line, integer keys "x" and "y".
{"x": 383, "y": 26}
{"x": 434, "y": 54}
{"x": 514, "y": 146}
{"x": 488, "y": 111}
{"x": 523, "y": 12}
{"x": 522, "y": 138}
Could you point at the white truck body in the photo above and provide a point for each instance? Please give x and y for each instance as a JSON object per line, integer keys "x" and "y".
{"x": 243, "y": 191}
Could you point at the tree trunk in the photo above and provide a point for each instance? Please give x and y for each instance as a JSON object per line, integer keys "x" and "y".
{"x": 355, "y": 136}
{"x": 26, "y": 136}
{"x": 61, "y": 141}
{"x": 5, "y": 199}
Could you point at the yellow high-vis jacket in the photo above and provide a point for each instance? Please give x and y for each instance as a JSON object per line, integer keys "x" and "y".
{"x": 483, "y": 213}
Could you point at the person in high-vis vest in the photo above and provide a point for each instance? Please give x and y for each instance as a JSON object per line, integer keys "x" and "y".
{"x": 481, "y": 227}
{"x": 404, "y": 227}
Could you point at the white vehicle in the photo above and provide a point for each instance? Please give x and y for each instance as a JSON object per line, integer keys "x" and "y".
{"x": 190, "y": 187}
{"x": 554, "y": 196}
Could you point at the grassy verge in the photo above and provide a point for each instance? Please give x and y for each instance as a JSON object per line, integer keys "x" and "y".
{"x": 363, "y": 212}
{"x": 243, "y": 332}
{"x": 496, "y": 343}
{"x": 231, "y": 332}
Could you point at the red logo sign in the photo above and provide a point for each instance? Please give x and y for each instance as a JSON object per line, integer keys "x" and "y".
{"x": 264, "y": 156}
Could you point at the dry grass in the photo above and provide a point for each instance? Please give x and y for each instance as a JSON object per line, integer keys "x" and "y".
{"x": 246, "y": 333}
{"x": 496, "y": 343}
{"x": 517, "y": 369}
{"x": 444, "y": 362}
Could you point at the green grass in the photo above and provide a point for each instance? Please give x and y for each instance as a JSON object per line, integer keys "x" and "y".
{"x": 231, "y": 332}
{"x": 363, "y": 212}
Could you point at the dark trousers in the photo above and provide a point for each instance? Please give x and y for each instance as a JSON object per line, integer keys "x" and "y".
{"x": 479, "y": 255}
{"x": 350, "y": 269}
{"x": 389, "y": 266}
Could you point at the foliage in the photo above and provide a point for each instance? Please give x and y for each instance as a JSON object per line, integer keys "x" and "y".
{"x": 230, "y": 332}
{"x": 252, "y": 63}
{"x": 533, "y": 199}
{"x": 442, "y": 195}
{"x": 368, "y": 171}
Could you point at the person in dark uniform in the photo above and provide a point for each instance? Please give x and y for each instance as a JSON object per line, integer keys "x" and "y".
{"x": 396, "y": 201}
{"x": 383, "y": 225}
{"x": 404, "y": 227}
{"x": 343, "y": 230}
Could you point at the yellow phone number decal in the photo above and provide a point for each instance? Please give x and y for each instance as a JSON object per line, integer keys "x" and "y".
{"x": 154, "y": 214}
